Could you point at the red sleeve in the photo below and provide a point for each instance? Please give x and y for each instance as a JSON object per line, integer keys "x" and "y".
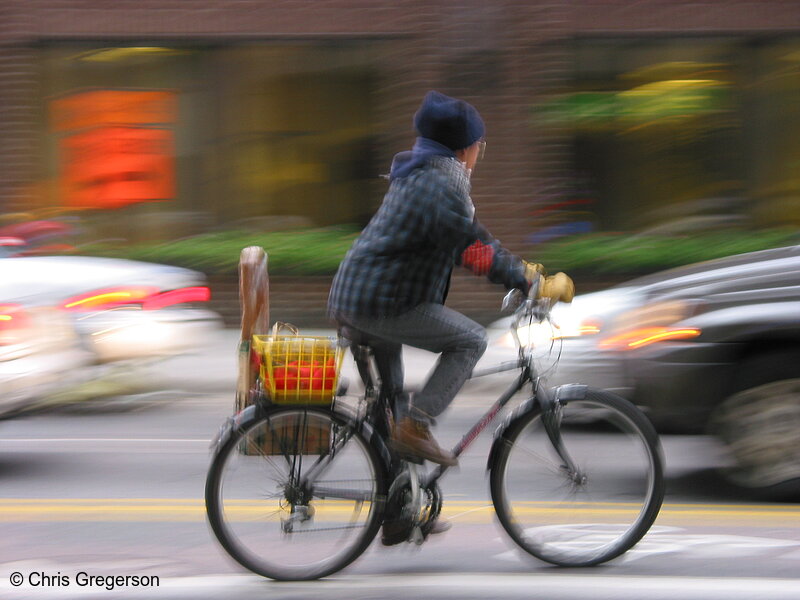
{"x": 478, "y": 258}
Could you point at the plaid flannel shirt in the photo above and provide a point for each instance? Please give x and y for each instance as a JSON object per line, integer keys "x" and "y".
{"x": 405, "y": 255}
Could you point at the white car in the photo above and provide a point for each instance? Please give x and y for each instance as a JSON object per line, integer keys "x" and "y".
{"x": 571, "y": 340}
{"x": 73, "y": 322}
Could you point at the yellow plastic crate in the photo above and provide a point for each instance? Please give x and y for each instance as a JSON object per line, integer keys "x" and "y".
{"x": 298, "y": 369}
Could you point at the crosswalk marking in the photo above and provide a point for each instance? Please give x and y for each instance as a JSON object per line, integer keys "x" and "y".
{"x": 448, "y": 585}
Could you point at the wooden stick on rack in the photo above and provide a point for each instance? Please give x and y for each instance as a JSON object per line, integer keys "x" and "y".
{"x": 254, "y": 304}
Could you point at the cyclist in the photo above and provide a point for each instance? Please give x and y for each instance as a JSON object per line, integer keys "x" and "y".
{"x": 391, "y": 286}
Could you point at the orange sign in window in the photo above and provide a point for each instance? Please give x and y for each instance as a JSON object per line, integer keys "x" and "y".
{"x": 111, "y": 167}
{"x": 117, "y": 147}
{"x": 113, "y": 107}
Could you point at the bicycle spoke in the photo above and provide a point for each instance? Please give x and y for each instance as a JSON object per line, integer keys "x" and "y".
{"x": 540, "y": 458}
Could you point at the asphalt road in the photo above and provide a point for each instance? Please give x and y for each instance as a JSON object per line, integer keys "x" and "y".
{"x": 119, "y": 492}
{"x": 115, "y": 489}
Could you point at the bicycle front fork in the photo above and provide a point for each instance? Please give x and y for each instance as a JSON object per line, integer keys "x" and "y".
{"x": 551, "y": 419}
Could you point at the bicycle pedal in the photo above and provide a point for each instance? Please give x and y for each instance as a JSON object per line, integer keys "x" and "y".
{"x": 416, "y": 536}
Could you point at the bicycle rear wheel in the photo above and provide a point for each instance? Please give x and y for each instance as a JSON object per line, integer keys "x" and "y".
{"x": 296, "y": 494}
{"x": 591, "y": 515}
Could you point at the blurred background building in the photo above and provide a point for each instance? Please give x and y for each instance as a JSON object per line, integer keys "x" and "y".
{"x": 159, "y": 119}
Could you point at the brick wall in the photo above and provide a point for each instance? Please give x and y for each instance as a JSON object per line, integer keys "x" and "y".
{"x": 682, "y": 16}
{"x": 302, "y": 301}
{"x": 18, "y": 89}
{"x": 501, "y": 55}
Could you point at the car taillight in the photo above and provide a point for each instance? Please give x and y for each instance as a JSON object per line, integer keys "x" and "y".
{"x": 181, "y": 296}
{"x": 11, "y": 241}
{"x": 13, "y": 323}
{"x": 145, "y": 297}
{"x": 109, "y": 298}
{"x": 639, "y": 338}
{"x": 660, "y": 322}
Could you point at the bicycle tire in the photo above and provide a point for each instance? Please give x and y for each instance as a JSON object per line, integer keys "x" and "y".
{"x": 585, "y": 519}
{"x": 273, "y": 524}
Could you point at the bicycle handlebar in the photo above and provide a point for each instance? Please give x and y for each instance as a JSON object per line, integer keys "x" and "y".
{"x": 543, "y": 295}
{"x": 534, "y": 303}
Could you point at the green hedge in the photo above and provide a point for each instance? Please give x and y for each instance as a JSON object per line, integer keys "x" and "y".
{"x": 306, "y": 252}
{"x": 318, "y": 251}
{"x": 630, "y": 255}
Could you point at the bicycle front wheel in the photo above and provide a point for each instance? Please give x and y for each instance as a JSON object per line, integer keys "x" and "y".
{"x": 296, "y": 494}
{"x": 592, "y": 507}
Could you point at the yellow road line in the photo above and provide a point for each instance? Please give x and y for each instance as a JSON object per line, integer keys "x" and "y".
{"x": 193, "y": 509}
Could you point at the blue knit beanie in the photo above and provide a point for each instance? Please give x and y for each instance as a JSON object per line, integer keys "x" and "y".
{"x": 451, "y": 122}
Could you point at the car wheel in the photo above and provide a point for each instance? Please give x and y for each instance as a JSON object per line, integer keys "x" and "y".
{"x": 760, "y": 426}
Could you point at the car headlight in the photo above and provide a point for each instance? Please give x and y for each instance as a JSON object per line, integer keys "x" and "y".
{"x": 567, "y": 322}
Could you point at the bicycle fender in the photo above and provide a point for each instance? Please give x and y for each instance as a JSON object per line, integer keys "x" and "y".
{"x": 544, "y": 397}
{"x": 368, "y": 431}
{"x": 234, "y": 423}
{"x": 256, "y": 411}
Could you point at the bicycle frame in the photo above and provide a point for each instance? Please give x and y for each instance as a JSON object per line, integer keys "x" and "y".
{"x": 527, "y": 375}
{"x": 466, "y": 441}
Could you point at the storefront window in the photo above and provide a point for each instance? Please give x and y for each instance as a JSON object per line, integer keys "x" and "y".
{"x": 295, "y": 136}
{"x": 681, "y": 133}
{"x": 771, "y": 127}
{"x": 165, "y": 141}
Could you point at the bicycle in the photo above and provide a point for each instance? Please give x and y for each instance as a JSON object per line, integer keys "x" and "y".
{"x": 297, "y": 492}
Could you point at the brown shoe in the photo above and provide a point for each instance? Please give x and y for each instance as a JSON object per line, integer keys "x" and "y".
{"x": 411, "y": 437}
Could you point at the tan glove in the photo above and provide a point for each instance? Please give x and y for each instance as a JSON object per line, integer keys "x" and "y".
{"x": 532, "y": 270}
{"x": 558, "y": 287}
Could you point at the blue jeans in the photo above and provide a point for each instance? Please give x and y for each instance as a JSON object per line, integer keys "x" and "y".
{"x": 460, "y": 341}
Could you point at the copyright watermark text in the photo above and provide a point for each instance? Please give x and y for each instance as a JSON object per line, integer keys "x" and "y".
{"x": 82, "y": 579}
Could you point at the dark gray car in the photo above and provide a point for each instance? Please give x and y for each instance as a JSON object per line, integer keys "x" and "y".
{"x": 712, "y": 347}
